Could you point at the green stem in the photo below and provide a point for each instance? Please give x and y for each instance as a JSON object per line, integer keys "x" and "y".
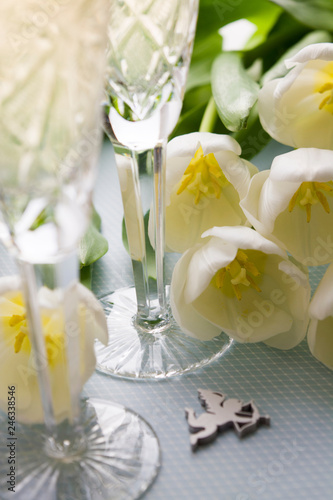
{"x": 209, "y": 117}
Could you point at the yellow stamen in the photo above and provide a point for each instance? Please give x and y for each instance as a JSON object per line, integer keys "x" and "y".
{"x": 249, "y": 266}
{"x": 324, "y": 86}
{"x": 327, "y": 100}
{"x": 324, "y": 186}
{"x": 308, "y": 212}
{"x": 310, "y": 193}
{"x": 244, "y": 261}
{"x": 253, "y": 284}
{"x": 234, "y": 268}
{"x": 19, "y": 341}
{"x": 242, "y": 257}
{"x": 237, "y": 292}
{"x": 327, "y": 87}
{"x": 54, "y": 343}
{"x": 16, "y": 319}
{"x": 237, "y": 275}
{"x": 203, "y": 177}
{"x": 219, "y": 277}
{"x": 292, "y": 202}
{"x": 323, "y": 201}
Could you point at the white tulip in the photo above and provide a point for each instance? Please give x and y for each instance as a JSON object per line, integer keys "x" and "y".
{"x": 240, "y": 283}
{"x": 205, "y": 180}
{"x": 297, "y": 109}
{"x": 292, "y": 204}
{"x": 16, "y": 359}
{"x": 320, "y": 333}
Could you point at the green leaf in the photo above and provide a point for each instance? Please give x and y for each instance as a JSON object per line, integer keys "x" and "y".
{"x": 86, "y": 276}
{"x": 286, "y": 33}
{"x": 264, "y": 19}
{"x": 254, "y": 138}
{"x": 150, "y": 252}
{"x": 196, "y": 97}
{"x": 93, "y": 245}
{"x": 314, "y": 13}
{"x": 45, "y": 216}
{"x": 234, "y": 91}
{"x": 96, "y": 219}
{"x": 213, "y": 14}
{"x": 204, "y": 52}
{"x": 195, "y": 103}
{"x": 279, "y": 69}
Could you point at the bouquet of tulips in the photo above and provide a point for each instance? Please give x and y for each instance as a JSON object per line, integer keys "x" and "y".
{"x": 249, "y": 238}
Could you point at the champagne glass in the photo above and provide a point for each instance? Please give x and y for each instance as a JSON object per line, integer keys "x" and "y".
{"x": 150, "y": 45}
{"x": 52, "y": 62}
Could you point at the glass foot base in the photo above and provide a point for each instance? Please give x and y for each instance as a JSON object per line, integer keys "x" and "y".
{"x": 133, "y": 353}
{"x": 119, "y": 460}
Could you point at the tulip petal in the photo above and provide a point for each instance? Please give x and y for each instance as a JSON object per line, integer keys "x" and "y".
{"x": 186, "y": 145}
{"x": 290, "y": 108}
{"x": 185, "y": 221}
{"x": 320, "y": 333}
{"x": 94, "y": 307}
{"x": 187, "y": 318}
{"x": 304, "y": 164}
{"x": 9, "y": 308}
{"x": 322, "y": 51}
{"x": 245, "y": 238}
{"x": 321, "y": 305}
{"x": 204, "y": 264}
{"x": 249, "y": 203}
{"x": 320, "y": 340}
{"x": 229, "y": 314}
{"x": 237, "y": 171}
{"x": 9, "y": 283}
{"x": 287, "y": 340}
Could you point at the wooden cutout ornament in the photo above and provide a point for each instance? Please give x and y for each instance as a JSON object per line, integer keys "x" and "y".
{"x": 221, "y": 414}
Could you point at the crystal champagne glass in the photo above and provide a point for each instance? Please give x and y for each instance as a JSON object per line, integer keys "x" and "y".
{"x": 52, "y": 63}
{"x": 150, "y": 45}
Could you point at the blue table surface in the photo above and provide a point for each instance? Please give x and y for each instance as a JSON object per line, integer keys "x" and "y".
{"x": 291, "y": 459}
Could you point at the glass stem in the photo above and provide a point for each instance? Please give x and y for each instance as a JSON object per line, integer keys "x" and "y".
{"x": 61, "y": 280}
{"x": 159, "y": 222}
{"x": 143, "y": 178}
{"x": 30, "y": 292}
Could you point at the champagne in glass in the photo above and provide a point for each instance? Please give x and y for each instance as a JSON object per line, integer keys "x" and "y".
{"x": 150, "y": 45}
{"x": 52, "y": 62}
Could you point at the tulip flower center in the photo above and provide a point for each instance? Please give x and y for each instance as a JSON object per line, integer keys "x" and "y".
{"x": 203, "y": 177}
{"x": 325, "y": 87}
{"x": 54, "y": 343}
{"x": 238, "y": 274}
{"x": 311, "y": 193}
